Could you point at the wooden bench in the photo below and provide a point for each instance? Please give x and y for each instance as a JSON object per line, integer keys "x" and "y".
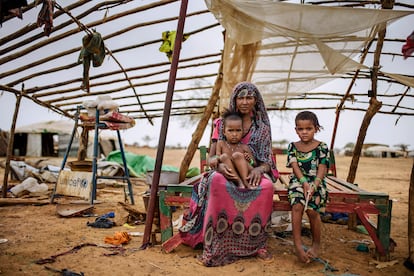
{"x": 344, "y": 197}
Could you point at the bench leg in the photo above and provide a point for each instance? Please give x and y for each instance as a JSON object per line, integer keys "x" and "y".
{"x": 384, "y": 227}
{"x": 352, "y": 221}
{"x": 370, "y": 230}
{"x": 165, "y": 218}
{"x": 380, "y": 236}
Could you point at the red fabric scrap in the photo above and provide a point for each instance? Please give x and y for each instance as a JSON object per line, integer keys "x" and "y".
{"x": 408, "y": 47}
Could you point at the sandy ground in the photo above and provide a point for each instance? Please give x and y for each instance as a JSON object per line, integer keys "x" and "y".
{"x": 35, "y": 232}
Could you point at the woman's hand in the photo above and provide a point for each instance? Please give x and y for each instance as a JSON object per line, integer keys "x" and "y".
{"x": 249, "y": 158}
{"x": 255, "y": 176}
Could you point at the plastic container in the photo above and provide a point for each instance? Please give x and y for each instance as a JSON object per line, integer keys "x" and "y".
{"x": 166, "y": 177}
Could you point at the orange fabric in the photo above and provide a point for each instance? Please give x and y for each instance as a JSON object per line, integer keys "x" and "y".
{"x": 118, "y": 238}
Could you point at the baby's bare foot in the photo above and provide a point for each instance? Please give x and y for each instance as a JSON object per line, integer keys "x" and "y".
{"x": 248, "y": 186}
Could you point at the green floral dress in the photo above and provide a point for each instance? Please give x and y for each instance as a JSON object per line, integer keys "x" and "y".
{"x": 308, "y": 163}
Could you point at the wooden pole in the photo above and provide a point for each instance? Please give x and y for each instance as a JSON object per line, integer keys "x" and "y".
{"x": 83, "y": 144}
{"x": 10, "y": 144}
{"x": 347, "y": 93}
{"x": 374, "y": 104}
{"x": 409, "y": 263}
{"x": 164, "y": 125}
{"x": 202, "y": 124}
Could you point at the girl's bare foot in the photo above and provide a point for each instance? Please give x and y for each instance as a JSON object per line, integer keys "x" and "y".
{"x": 302, "y": 255}
{"x": 313, "y": 252}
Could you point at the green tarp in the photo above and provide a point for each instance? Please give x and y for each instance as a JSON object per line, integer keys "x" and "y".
{"x": 138, "y": 165}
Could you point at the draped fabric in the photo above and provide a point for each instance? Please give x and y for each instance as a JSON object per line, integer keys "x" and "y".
{"x": 230, "y": 223}
{"x": 288, "y": 49}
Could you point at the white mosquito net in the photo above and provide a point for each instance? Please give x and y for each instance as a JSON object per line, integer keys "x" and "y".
{"x": 287, "y": 49}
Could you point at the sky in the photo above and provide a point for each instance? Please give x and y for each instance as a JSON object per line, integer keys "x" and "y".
{"x": 384, "y": 129}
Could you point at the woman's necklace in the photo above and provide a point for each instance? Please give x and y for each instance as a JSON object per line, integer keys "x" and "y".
{"x": 233, "y": 149}
{"x": 247, "y": 129}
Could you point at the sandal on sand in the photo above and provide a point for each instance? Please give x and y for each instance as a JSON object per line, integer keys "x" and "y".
{"x": 264, "y": 255}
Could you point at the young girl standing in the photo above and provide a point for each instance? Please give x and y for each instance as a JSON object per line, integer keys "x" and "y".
{"x": 309, "y": 160}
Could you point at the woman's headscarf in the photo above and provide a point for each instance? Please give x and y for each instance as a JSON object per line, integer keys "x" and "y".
{"x": 261, "y": 138}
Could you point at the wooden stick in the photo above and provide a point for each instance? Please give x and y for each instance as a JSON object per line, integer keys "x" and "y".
{"x": 10, "y": 144}
{"x": 22, "y": 201}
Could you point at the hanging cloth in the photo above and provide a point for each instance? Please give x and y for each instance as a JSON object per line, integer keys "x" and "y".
{"x": 11, "y": 7}
{"x": 93, "y": 50}
{"x": 408, "y": 47}
{"x": 45, "y": 16}
{"x": 168, "y": 40}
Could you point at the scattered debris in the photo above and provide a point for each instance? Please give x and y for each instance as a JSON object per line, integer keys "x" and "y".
{"x": 118, "y": 238}
{"x": 29, "y": 186}
{"x": 73, "y": 210}
{"x": 53, "y": 258}
{"x": 20, "y": 201}
{"x": 135, "y": 216}
{"x": 381, "y": 265}
{"x": 101, "y": 223}
{"x": 65, "y": 272}
{"x": 409, "y": 264}
{"x": 136, "y": 234}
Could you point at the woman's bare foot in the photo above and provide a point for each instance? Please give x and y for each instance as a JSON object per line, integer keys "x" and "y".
{"x": 264, "y": 255}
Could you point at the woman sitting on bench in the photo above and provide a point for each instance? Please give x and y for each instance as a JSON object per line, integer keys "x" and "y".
{"x": 231, "y": 222}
